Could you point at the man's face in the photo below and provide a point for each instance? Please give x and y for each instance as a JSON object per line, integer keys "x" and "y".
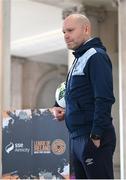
{"x": 74, "y": 33}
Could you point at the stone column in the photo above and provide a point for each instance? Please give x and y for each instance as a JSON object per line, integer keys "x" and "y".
{"x": 97, "y": 17}
{"x": 122, "y": 84}
{"x": 17, "y": 82}
{"x": 4, "y": 62}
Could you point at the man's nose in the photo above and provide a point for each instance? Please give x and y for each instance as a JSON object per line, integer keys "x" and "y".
{"x": 66, "y": 36}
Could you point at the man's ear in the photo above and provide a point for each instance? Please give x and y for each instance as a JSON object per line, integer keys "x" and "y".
{"x": 86, "y": 29}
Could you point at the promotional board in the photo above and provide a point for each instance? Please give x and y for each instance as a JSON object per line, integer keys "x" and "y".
{"x": 34, "y": 145}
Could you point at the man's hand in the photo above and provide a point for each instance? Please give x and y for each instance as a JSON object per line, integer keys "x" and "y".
{"x": 58, "y": 113}
{"x": 96, "y": 142}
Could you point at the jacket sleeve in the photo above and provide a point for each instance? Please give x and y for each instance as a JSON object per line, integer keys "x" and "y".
{"x": 102, "y": 85}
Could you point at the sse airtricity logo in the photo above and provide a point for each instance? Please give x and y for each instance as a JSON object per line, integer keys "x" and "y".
{"x": 9, "y": 147}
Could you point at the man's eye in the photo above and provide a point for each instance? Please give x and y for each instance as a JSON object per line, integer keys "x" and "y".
{"x": 70, "y": 30}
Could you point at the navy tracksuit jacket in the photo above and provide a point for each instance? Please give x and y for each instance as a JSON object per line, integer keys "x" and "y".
{"x": 89, "y": 92}
{"x": 89, "y": 98}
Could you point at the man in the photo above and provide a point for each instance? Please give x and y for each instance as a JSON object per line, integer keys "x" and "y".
{"x": 89, "y": 98}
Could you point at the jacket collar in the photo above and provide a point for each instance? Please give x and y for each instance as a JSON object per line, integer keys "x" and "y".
{"x": 93, "y": 42}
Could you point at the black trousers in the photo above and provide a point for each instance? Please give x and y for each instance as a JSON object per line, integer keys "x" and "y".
{"x": 90, "y": 162}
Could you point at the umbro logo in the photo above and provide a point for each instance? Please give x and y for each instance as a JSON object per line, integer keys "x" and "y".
{"x": 89, "y": 161}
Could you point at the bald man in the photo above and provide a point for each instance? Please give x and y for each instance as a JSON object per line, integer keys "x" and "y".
{"x": 89, "y": 99}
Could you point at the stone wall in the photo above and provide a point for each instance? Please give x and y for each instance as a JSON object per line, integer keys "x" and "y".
{"x": 34, "y": 83}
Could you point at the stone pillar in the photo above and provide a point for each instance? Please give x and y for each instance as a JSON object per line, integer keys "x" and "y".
{"x": 4, "y": 62}
{"x": 97, "y": 17}
{"x": 122, "y": 84}
{"x": 72, "y": 8}
{"x": 17, "y": 82}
